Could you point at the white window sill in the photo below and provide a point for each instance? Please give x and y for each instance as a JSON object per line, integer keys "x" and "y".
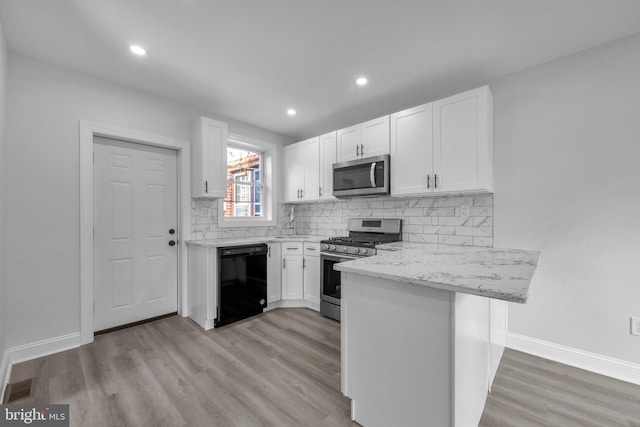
{"x": 245, "y": 222}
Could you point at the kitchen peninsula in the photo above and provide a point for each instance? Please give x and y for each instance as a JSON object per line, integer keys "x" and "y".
{"x": 417, "y": 341}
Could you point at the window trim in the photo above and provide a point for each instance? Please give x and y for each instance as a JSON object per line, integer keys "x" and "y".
{"x": 269, "y": 188}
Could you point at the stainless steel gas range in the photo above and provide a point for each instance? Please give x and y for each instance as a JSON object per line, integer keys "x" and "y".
{"x": 364, "y": 235}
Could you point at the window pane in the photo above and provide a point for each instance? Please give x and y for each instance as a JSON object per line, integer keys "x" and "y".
{"x": 243, "y": 165}
{"x": 243, "y": 200}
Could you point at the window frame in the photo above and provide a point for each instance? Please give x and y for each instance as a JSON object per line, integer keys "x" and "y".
{"x": 268, "y": 152}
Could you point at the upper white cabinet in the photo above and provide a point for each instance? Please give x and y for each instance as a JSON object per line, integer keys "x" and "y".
{"x": 412, "y": 151}
{"x": 363, "y": 140}
{"x": 445, "y": 146}
{"x": 302, "y": 179}
{"x": 208, "y": 158}
{"x": 327, "y": 159}
{"x": 463, "y": 141}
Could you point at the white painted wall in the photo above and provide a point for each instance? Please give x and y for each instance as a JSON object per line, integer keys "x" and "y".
{"x": 567, "y": 182}
{"x": 44, "y": 105}
{"x": 3, "y": 285}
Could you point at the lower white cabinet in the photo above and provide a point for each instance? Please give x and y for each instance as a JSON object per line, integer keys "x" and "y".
{"x": 311, "y": 273}
{"x": 201, "y": 286}
{"x": 274, "y": 273}
{"x": 292, "y": 271}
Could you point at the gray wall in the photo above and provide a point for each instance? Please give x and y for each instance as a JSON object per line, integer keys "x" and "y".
{"x": 567, "y": 176}
{"x": 44, "y": 106}
{"x": 3, "y": 162}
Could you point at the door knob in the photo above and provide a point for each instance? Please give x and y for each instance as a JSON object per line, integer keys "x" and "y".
{"x": 172, "y": 231}
{"x": 172, "y": 242}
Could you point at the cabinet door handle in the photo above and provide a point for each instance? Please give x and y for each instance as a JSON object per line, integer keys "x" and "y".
{"x": 361, "y": 150}
{"x": 357, "y": 150}
{"x": 435, "y": 180}
{"x": 206, "y": 187}
{"x": 269, "y": 251}
{"x": 428, "y": 181}
{"x": 284, "y": 263}
{"x": 304, "y": 263}
{"x": 301, "y": 193}
{"x": 319, "y": 191}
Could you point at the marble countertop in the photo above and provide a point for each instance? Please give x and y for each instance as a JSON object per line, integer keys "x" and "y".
{"x": 237, "y": 241}
{"x": 503, "y": 274}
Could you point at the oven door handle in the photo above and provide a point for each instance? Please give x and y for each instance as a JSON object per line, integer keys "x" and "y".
{"x": 372, "y": 174}
{"x": 338, "y": 258}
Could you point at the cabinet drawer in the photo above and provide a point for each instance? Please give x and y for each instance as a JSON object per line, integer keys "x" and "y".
{"x": 311, "y": 249}
{"x": 291, "y": 248}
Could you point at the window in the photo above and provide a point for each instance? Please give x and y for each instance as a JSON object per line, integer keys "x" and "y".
{"x": 243, "y": 183}
{"x": 250, "y": 196}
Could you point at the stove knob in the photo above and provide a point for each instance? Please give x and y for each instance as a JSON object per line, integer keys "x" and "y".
{"x": 356, "y": 250}
{"x": 364, "y": 251}
{"x": 324, "y": 247}
{"x": 332, "y": 248}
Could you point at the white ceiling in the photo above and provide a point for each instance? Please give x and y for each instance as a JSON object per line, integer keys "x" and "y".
{"x": 250, "y": 60}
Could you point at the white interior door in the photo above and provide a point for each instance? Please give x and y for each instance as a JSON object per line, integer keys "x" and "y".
{"x": 135, "y": 209}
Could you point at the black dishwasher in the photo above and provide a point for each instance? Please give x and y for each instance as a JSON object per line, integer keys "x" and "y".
{"x": 242, "y": 282}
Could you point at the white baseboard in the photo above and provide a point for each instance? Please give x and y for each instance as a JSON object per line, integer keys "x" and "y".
{"x": 604, "y": 365}
{"x": 5, "y": 371}
{"x": 34, "y": 350}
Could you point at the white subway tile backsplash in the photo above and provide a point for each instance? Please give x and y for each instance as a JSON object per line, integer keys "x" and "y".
{"x": 427, "y": 202}
{"x": 454, "y": 201}
{"x": 482, "y": 221}
{"x": 428, "y": 219}
{"x": 438, "y": 229}
{"x": 423, "y": 238}
{"x": 456, "y": 220}
{"x": 481, "y": 211}
{"x": 483, "y": 241}
{"x": 446, "y": 239}
{"x": 483, "y": 200}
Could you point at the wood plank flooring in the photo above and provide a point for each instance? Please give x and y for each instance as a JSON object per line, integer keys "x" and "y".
{"x": 282, "y": 368}
{"x": 531, "y": 391}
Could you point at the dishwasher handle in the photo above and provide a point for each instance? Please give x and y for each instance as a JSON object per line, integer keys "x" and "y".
{"x": 243, "y": 250}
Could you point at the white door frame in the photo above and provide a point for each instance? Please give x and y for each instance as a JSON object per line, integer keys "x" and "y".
{"x": 87, "y": 131}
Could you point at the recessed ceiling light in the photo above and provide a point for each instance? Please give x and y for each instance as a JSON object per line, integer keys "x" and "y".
{"x": 291, "y": 112}
{"x": 362, "y": 81}
{"x": 138, "y": 50}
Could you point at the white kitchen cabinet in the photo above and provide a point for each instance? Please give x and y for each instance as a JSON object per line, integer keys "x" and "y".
{"x": 366, "y": 139}
{"x": 292, "y": 271}
{"x": 302, "y": 163}
{"x": 208, "y": 159}
{"x": 444, "y": 147}
{"x": 412, "y": 151}
{"x": 327, "y": 159}
{"x": 463, "y": 142}
{"x": 311, "y": 266}
{"x": 274, "y": 273}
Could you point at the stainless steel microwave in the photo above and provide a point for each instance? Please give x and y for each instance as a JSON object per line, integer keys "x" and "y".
{"x": 361, "y": 177}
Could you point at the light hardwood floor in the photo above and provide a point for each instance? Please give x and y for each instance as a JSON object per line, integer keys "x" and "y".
{"x": 281, "y": 368}
{"x": 531, "y": 391}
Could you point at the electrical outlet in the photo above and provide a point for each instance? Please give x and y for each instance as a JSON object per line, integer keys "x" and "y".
{"x": 635, "y": 325}
{"x": 464, "y": 211}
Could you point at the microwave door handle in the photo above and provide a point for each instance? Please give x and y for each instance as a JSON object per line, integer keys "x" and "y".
{"x": 372, "y": 175}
